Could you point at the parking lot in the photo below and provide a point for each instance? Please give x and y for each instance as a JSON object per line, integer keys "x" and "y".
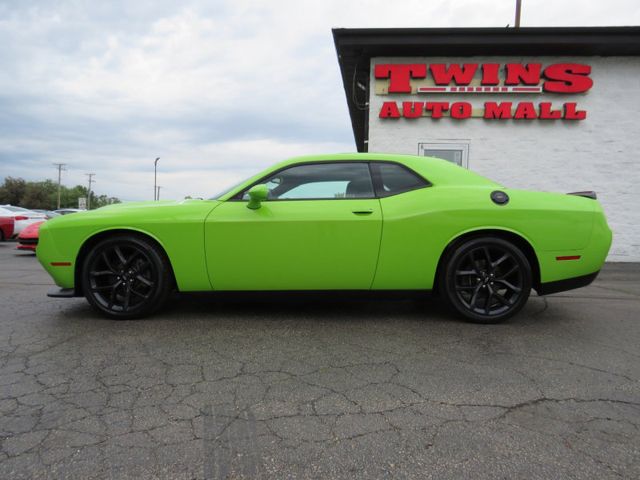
{"x": 322, "y": 388}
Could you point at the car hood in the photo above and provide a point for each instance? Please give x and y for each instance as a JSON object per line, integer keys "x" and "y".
{"x": 133, "y": 212}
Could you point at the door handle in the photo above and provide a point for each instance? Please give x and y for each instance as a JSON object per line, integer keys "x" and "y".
{"x": 363, "y": 212}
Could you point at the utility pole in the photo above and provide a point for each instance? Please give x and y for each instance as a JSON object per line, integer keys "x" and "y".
{"x": 158, "y": 192}
{"x": 155, "y": 179}
{"x": 518, "y": 11}
{"x": 90, "y": 175}
{"x": 60, "y": 169}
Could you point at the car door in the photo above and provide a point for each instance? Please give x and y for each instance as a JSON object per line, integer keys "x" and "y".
{"x": 319, "y": 229}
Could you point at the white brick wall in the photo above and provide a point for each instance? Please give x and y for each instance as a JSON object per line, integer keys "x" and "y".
{"x": 600, "y": 153}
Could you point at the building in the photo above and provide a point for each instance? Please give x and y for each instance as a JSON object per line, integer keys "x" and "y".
{"x": 554, "y": 109}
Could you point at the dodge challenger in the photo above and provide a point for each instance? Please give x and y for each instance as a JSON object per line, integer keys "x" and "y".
{"x": 358, "y": 222}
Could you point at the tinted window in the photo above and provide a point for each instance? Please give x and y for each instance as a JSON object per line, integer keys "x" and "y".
{"x": 321, "y": 181}
{"x": 397, "y": 179}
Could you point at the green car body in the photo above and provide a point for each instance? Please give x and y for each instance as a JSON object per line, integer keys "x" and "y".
{"x": 390, "y": 242}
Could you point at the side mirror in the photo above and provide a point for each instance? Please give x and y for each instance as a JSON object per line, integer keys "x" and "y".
{"x": 257, "y": 194}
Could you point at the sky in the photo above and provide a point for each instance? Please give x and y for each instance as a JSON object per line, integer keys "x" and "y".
{"x": 217, "y": 89}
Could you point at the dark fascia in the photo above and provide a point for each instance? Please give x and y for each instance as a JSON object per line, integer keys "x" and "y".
{"x": 356, "y": 46}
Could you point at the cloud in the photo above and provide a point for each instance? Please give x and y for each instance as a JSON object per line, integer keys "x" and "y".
{"x": 217, "y": 89}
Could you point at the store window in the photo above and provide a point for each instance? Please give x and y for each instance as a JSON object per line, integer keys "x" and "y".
{"x": 457, "y": 152}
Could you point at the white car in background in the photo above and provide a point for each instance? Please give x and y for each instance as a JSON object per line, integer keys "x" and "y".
{"x": 67, "y": 211}
{"x": 21, "y": 216}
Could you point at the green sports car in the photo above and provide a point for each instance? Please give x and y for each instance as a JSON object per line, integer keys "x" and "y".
{"x": 335, "y": 222}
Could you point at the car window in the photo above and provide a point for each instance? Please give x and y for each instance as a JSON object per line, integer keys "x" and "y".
{"x": 339, "y": 180}
{"x": 397, "y": 179}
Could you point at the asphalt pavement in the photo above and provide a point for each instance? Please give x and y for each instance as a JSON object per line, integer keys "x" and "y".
{"x": 278, "y": 388}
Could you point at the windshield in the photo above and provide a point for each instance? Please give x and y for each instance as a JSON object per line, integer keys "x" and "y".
{"x": 227, "y": 190}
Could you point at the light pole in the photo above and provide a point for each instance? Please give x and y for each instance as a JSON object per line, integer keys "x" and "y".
{"x": 155, "y": 179}
{"x": 518, "y": 12}
{"x": 158, "y": 197}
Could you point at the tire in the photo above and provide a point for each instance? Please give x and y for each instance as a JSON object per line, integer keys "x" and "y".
{"x": 126, "y": 276}
{"x": 486, "y": 279}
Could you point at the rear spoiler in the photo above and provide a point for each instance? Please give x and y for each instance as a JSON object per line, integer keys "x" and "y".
{"x": 588, "y": 194}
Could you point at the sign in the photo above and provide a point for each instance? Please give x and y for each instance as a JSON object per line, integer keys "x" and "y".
{"x": 493, "y": 79}
{"x": 82, "y": 203}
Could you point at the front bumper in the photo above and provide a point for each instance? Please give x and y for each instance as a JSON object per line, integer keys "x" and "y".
{"x": 62, "y": 293}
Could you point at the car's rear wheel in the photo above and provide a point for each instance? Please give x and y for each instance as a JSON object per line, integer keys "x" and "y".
{"x": 126, "y": 276}
{"x": 486, "y": 279}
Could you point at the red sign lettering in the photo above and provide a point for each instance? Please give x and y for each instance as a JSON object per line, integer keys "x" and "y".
{"x": 497, "y": 110}
{"x": 460, "y": 75}
{"x": 400, "y": 74}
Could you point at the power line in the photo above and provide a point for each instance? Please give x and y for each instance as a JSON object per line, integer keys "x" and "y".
{"x": 90, "y": 175}
{"x": 60, "y": 169}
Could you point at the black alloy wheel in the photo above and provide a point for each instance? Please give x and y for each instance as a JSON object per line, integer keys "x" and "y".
{"x": 487, "y": 279}
{"x": 126, "y": 276}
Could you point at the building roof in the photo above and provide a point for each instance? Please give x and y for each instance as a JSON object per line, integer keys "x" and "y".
{"x": 356, "y": 46}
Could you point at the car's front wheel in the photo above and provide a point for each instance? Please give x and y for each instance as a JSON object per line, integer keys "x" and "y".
{"x": 486, "y": 279}
{"x": 126, "y": 276}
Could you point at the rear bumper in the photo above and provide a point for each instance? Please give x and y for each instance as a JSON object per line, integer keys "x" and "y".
{"x": 567, "y": 284}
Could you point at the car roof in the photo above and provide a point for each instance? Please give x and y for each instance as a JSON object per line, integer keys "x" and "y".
{"x": 13, "y": 208}
{"x": 436, "y": 170}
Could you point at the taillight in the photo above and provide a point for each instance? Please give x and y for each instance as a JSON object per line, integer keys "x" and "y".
{"x": 20, "y": 217}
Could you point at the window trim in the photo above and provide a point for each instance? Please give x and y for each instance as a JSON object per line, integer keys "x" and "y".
{"x": 376, "y": 181}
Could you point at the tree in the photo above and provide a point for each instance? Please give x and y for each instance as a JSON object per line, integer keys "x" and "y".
{"x": 12, "y": 191}
{"x": 44, "y": 195}
{"x": 39, "y": 194}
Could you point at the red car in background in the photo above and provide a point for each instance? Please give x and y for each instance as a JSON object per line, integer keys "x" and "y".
{"x": 6, "y": 228}
{"x": 28, "y": 238}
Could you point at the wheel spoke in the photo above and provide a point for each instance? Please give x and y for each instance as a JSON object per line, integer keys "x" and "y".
{"x": 133, "y": 256}
{"x": 485, "y": 250}
{"x": 112, "y": 297}
{"x": 510, "y": 272}
{"x": 500, "y": 260}
{"x": 101, "y": 273}
{"x": 99, "y": 288}
{"x": 466, "y": 272}
{"x": 145, "y": 281}
{"x": 487, "y": 303}
{"x": 127, "y": 298}
{"x": 461, "y": 288}
{"x": 508, "y": 285}
{"x": 474, "y": 297}
{"x": 474, "y": 262}
{"x": 138, "y": 294}
{"x": 107, "y": 262}
{"x": 121, "y": 257}
{"x": 501, "y": 299}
